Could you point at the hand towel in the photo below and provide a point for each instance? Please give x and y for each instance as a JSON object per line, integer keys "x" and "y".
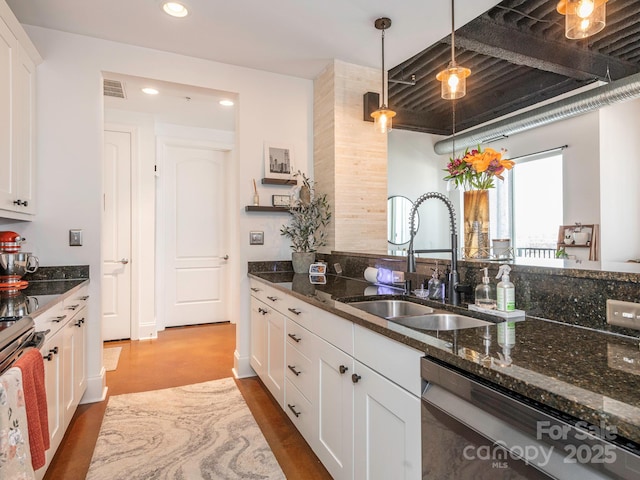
{"x": 35, "y": 396}
{"x": 15, "y": 459}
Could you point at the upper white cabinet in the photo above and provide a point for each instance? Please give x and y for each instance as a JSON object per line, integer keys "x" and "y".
{"x": 18, "y": 60}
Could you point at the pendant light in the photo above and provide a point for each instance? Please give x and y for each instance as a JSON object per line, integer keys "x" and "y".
{"x": 583, "y": 18}
{"x": 382, "y": 117}
{"x": 453, "y": 78}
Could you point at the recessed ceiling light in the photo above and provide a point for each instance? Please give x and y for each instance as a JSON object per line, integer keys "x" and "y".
{"x": 226, "y": 103}
{"x": 175, "y": 9}
{"x": 150, "y": 91}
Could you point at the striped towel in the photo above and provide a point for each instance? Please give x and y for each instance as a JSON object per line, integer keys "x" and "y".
{"x": 35, "y": 398}
{"x": 15, "y": 459}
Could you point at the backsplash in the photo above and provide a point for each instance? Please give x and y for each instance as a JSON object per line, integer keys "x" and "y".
{"x": 59, "y": 273}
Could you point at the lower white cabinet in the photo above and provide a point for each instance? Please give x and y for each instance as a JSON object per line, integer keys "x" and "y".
{"x": 267, "y": 347}
{"x": 64, "y": 354}
{"x": 353, "y": 394}
{"x": 387, "y": 427}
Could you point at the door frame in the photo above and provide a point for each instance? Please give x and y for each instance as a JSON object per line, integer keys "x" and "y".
{"x": 165, "y": 139}
{"x": 134, "y": 134}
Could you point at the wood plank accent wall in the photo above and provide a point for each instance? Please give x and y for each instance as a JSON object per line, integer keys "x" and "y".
{"x": 350, "y": 158}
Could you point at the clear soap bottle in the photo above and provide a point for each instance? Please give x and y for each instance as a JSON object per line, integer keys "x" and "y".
{"x": 486, "y": 293}
{"x": 506, "y": 291}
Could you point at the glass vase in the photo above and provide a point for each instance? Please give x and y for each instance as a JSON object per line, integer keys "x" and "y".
{"x": 476, "y": 224}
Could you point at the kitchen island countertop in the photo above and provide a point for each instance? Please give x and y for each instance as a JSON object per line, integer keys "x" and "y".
{"x": 586, "y": 374}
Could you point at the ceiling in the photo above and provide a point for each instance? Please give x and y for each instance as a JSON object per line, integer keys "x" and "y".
{"x": 516, "y": 49}
{"x": 518, "y": 56}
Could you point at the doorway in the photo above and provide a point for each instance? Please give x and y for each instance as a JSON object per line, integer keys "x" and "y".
{"x": 188, "y": 113}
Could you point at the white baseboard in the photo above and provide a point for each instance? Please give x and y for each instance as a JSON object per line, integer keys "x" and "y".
{"x": 241, "y": 366}
{"x": 96, "y": 388}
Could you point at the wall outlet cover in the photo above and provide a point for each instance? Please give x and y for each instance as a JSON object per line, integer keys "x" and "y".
{"x": 75, "y": 238}
{"x": 256, "y": 238}
{"x": 623, "y": 314}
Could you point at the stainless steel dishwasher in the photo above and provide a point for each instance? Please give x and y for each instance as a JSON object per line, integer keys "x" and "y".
{"x": 472, "y": 429}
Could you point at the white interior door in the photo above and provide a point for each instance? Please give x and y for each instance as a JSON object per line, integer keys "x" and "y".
{"x": 116, "y": 236}
{"x": 193, "y": 257}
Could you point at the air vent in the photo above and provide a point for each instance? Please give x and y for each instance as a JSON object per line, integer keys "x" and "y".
{"x": 113, "y": 88}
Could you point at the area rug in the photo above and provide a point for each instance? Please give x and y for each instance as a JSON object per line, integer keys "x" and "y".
{"x": 110, "y": 357}
{"x": 201, "y": 431}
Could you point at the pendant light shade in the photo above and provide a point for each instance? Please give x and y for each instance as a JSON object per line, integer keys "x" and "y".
{"x": 583, "y": 18}
{"x": 454, "y": 78}
{"x": 382, "y": 117}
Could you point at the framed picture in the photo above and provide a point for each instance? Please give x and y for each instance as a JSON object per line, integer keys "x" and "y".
{"x": 280, "y": 200}
{"x": 278, "y": 161}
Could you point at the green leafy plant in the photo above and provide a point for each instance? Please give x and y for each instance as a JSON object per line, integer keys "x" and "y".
{"x": 309, "y": 217}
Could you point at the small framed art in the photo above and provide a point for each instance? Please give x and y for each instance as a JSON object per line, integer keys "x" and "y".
{"x": 278, "y": 161}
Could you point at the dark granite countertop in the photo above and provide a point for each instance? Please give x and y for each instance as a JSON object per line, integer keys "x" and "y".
{"x": 587, "y": 374}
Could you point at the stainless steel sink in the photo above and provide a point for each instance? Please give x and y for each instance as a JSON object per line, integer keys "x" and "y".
{"x": 392, "y": 308}
{"x": 440, "y": 321}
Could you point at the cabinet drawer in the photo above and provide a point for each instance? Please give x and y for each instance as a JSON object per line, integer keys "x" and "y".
{"x": 76, "y": 302}
{"x": 300, "y": 411}
{"x": 52, "y": 319}
{"x": 299, "y": 371}
{"x": 267, "y": 294}
{"x": 299, "y": 337}
{"x": 400, "y": 363}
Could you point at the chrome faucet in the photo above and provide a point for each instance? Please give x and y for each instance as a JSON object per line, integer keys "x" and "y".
{"x": 454, "y": 295}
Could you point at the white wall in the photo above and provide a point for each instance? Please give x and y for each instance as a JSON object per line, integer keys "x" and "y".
{"x": 70, "y": 123}
{"x": 619, "y": 180}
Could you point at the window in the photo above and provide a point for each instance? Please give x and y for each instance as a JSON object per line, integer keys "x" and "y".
{"x": 528, "y": 204}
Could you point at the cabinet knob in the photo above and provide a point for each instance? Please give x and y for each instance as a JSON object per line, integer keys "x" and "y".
{"x": 355, "y": 378}
{"x": 343, "y": 369}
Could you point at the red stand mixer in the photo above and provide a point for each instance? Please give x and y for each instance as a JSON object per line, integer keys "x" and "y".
{"x": 14, "y": 263}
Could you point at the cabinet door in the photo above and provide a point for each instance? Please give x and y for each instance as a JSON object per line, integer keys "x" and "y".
{"x": 80, "y": 356}
{"x": 8, "y": 45}
{"x": 74, "y": 364}
{"x": 386, "y": 429}
{"x": 334, "y": 441}
{"x": 24, "y": 132}
{"x": 258, "y": 337}
{"x": 274, "y": 379}
{"x": 52, "y": 351}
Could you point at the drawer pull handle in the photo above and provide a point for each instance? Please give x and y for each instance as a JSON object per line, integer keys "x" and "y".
{"x": 294, "y": 338}
{"x": 84, "y": 298}
{"x": 262, "y": 311}
{"x": 58, "y": 319}
{"x": 79, "y": 322}
{"x": 54, "y": 350}
{"x": 273, "y": 299}
{"x": 355, "y": 378}
{"x": 73, "y": 307}
{"x": 293, "y": 310}
{"x": 293, "y": 409}
{"x": 342, "y": 369}
{"x": 293, "y": 369}
{"x": 254, "y": 289}
{"x": 48, "y": 357}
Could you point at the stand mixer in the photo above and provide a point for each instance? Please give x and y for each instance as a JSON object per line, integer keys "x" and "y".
{"x": 14, "y": 263}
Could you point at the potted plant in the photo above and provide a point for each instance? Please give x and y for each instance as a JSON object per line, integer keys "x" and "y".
{"x": 310, "y": 214}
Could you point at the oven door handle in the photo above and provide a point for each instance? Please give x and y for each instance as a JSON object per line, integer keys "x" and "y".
{"x": 551, "y": 458}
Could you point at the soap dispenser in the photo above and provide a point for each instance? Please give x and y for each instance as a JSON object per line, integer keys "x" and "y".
{"x": 486, "y": 293}
{"x": 506, "y": 291}
{"x": 435, "y": 286}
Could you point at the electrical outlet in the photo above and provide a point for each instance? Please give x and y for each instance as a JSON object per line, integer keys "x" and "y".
{"x": 623, "y": 314}
{"x": 75, "y": 238}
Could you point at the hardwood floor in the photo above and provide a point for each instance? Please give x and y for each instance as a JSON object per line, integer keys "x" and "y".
{"x": 181, "y": 356}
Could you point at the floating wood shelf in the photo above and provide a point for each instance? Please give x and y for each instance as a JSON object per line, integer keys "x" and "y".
{"x": 592, "y": 244}
{"x": 258, "y": 208}
{"x": 279, "y": 181}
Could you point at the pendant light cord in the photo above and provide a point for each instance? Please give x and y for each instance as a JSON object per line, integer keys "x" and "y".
{"x": 384, "y": 102}
{"x": 453, "y": 129}
{"x": 453, "y": 33}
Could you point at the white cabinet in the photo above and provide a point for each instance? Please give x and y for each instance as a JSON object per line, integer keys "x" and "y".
{"x": 267, "y": 344}
{"x": 64, "y": 353}
{"x": 387, "y": 428}
{"x": 352, "y": 393}
{"x": 18, "y": 59}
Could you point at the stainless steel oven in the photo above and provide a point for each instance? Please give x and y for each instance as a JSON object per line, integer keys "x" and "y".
{"x": 472, "y": 429}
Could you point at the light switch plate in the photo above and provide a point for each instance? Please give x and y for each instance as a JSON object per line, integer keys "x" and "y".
{"x": 623, "y": 314}
{"x": 256, "y": 238}
{"x": 75, "y": 238}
